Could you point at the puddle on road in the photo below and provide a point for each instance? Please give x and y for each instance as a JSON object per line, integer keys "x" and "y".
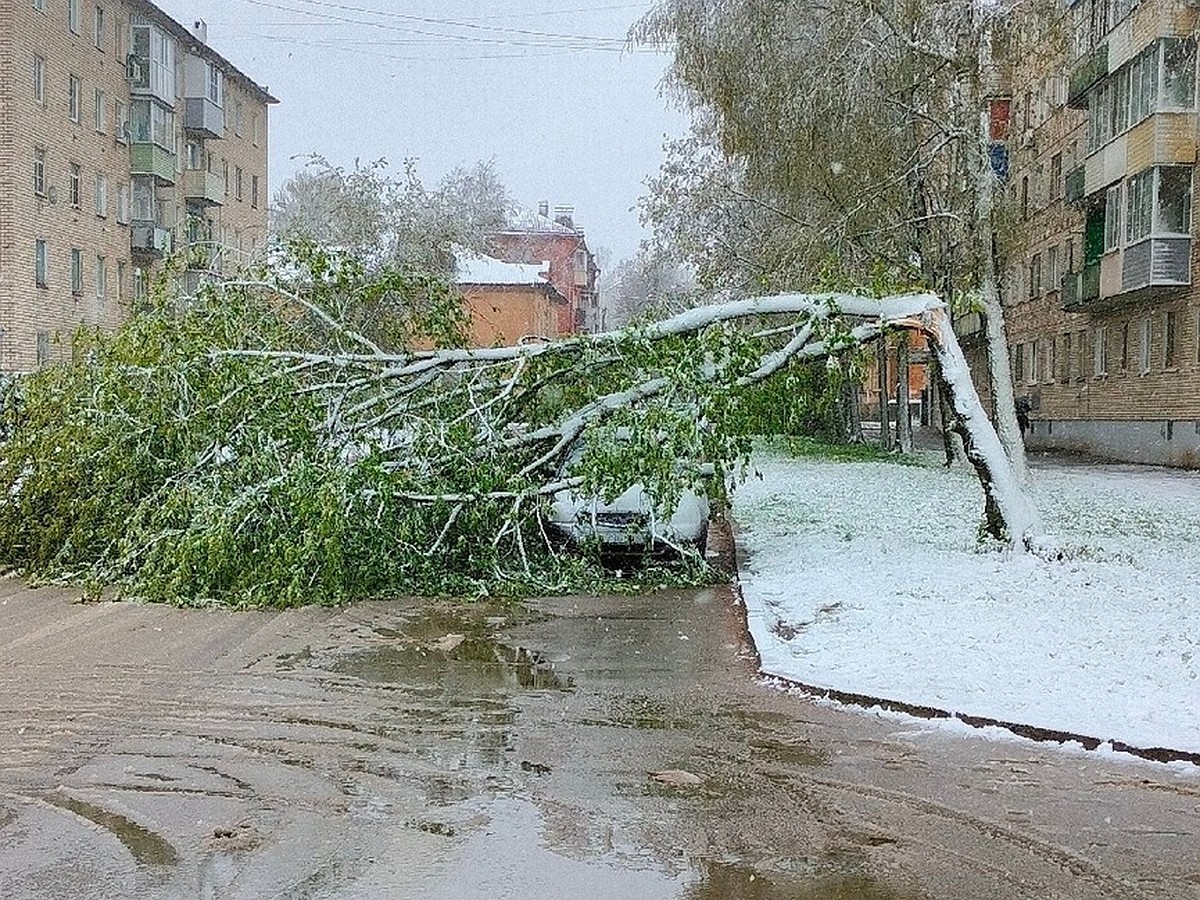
{"x": 729, "y": 881}
{"x": 147, "y": 848}
{"x": 447, "y": 642}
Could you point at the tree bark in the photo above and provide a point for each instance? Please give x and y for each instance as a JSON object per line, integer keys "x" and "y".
{"x": 904, "y": 431}
{"x": 999, "y": 366}
{"x": 881, "y": 358}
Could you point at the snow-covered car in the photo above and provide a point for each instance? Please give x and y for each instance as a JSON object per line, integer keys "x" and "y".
{"x": 630, "y": 522}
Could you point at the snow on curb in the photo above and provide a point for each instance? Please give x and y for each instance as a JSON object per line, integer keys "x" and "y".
{"x": 863, "y": 581}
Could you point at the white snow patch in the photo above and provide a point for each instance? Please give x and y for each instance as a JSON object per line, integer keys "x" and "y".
{"x": 866, "y": 578}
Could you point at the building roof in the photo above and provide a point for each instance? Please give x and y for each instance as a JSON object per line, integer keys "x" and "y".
{"x": 526, "y": 221}
{"x": 480, "y": 269}
{"x": 194, "y": 45}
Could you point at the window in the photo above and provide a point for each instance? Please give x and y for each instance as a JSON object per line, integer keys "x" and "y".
{"x": 101, "y": 277}
{"x": 1053, "y": 276}
{"x": 39, "y": 80}
{"x": 43, "y": 347}
{"x": 99, "y": 32}
{"x": 139, "y": 283}
{"x": 1067, "y": 358}
{"x": 1170, "y": 358}
{"x": 121, "y": 121}
{"x": 238, "y": 117}
{"x": 101, "y": 111}
{"x": 101, "y": 194}
{"x": 1019, "y": 363}
{"x": 150, "y": 123}
{"x": 41, "y": 263}
{"x": 120, "y": 281}
{"x": 225, "y": 166}
{"x": 1051, "y": 358}
{"x": 74, "y": 180}
{"x": 1025, "y": 197}
{"x": 1125, "y": 347}
{"x": 237, "y": 182}
{"x": 74, "y": 98}
{"x": 1081, "y": 350}
{"x": 1144, "y": 347}
{"x": 1178, "y": 74}
{"x": 1031, "y": 360}
{"x": 1158, "y": 201}
{"x": 1035, "y": 276}
{"x": 154, "y": 52}
{"x": 76, "y": 271}
{"x": 73, "y": 15}
{"x": 122, "y": 203}
{"x": 143, "y": 199}
{"x": 39, "y": 5}
{"x": 216, "y": 92}
{"x": 254, "y": 128}
{"x": 254, "y": 191}
{"x": 1099, "y": 350}
{"x": 1112, "y": 216}
{"x": 1056, "y": 176}
{"x": 39, "y": 171}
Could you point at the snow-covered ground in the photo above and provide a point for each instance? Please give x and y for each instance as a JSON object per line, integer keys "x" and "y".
{"x": 866, "y": 578}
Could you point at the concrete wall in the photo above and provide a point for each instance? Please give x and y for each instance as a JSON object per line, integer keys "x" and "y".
{"x": 1167, "y": 443}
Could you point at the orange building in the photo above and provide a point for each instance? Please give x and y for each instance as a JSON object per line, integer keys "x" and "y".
{"x": 571, "y": 266}
{"x": 510, "y": 302}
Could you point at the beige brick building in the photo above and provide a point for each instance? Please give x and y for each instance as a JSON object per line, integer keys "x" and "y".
{"x": 1102, "y": 291}
{"x": 123, "y": 138}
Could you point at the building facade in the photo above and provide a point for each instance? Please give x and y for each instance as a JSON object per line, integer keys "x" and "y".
{"x": 123, "y": 138}
{"x": 509, "y": 303}
{"x": 1102, "y": 293}
{"x": 573, "y": 271}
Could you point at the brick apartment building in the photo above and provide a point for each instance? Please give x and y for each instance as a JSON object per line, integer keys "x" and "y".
{"x": 573, "y": 271}
{"x": 123, "y": 137}
{"x": 1101, "y": 291}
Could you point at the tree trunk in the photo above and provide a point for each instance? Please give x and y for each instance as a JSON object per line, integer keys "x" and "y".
{"x": 904, "y": 432}
{"x": 881, "y": 359}
{"x": 1008, "y": 514}
{"x": 952, "y": 444}
{"x": 999, "y": 367}
{"x": 851, "y": 414}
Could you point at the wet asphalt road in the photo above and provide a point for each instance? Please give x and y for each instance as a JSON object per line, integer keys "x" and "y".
{"x": 393, "y": 750}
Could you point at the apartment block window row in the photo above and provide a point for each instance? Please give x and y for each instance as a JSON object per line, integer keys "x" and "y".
{"x": 1160, "y": 79}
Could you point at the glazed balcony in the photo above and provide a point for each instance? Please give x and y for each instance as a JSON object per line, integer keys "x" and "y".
{"x": 203, "y": 188}
{"x": 146, "y": 158}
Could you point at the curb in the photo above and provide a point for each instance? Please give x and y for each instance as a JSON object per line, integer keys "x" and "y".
{"x": 865, "y": 701}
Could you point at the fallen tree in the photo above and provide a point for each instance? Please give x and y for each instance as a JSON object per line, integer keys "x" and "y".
{"x": 247, "y": 446}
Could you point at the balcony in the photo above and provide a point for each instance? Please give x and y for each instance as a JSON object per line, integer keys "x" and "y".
{"x": 1157, "y": 262}
{"x": 1085, "y": 75}
{"x": 203, "y": 188}
{"x": 203, "y": 117}
{"x": 1079, "y": 288}
{"x": 1075, "y": 185}
{"x": 150, "y": 240}
{"x": 1160, "y": 139}
{"x": 150, "y": 159}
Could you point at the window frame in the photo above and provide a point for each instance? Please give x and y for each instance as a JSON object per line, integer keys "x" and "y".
{"x": 74, "y": 99}
{"x": 41, "y": 262}
{"x": 39, "y": 171}
{"x": 75, "y": 185}
{"x": 76, "y": 272}
{"x": 39, "y": 80}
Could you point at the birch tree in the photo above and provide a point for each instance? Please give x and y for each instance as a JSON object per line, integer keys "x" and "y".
{"x": 249, "y": 446}
{"x": 860, "y": 121}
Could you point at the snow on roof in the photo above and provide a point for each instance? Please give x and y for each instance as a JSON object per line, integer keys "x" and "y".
{"x": 523, "y": 221}
{"x": 479, "y": 269}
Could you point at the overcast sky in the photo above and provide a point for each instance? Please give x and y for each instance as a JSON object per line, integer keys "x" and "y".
{"x": 545, "y": 88}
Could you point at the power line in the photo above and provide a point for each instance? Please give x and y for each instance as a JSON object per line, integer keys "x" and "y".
{"x": 537, "y": 39}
